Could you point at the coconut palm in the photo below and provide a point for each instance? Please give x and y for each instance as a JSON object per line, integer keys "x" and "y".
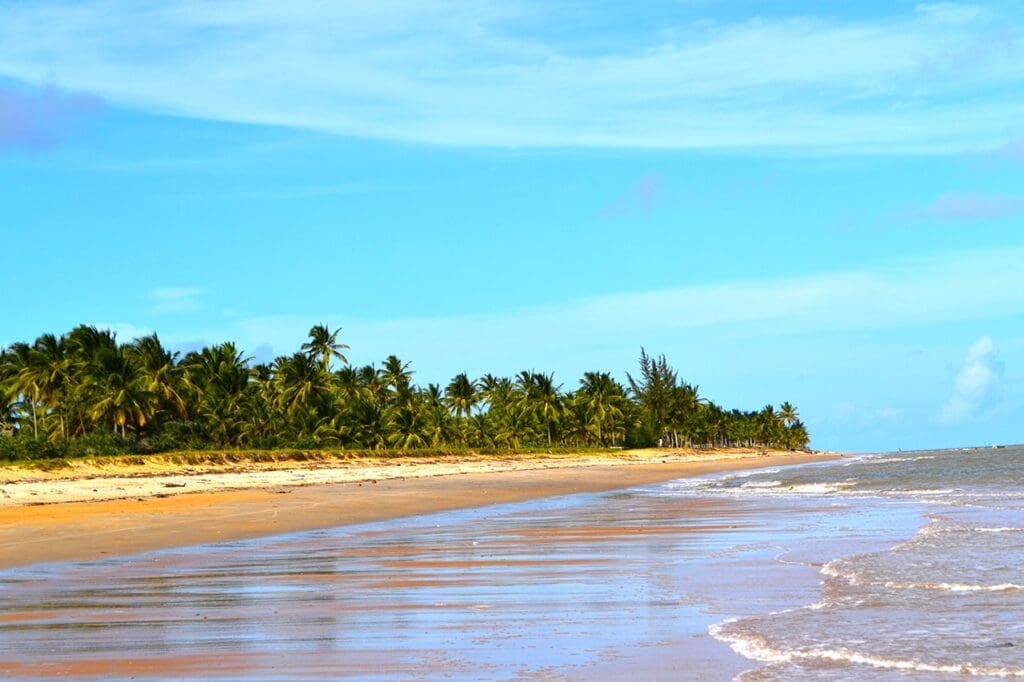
{"x": 602, "y": 398}
{"x": 24, "y": 380}
{"x": 10, "y": 397}
{"x": 788, "y": 414}
{"x": 161, "y": 369}
{"x": 514, "y": 428}
{"x": 323, "y": 345}
{"x": 546, "y": 399}
{"x": 50, "y": 367}
{"x": 769, "y": 426}
{"x": 300, "y": 383}
{"x": 461, "y": 395}
{"x": 398, "y": 377}
{"x": 121, "y": 394}
{"x": 72, "y": 385}
{"x": 498, "y": 393}
{"x": 406, "y": 427}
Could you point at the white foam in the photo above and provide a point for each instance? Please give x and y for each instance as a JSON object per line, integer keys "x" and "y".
{"x": 757, "y": 648}
{"x": 817, "y": 488}
{"x": 889, "y": 460}
{"x": 955, "y": 587}
{"x": 762, "y": 484}
{"x": 1000, "y": 529}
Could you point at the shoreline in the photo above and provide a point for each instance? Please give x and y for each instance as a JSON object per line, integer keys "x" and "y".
{"x": 50, "y": 518}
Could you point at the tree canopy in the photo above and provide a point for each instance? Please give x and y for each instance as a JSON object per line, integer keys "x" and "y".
{"x": 84, "y": 392}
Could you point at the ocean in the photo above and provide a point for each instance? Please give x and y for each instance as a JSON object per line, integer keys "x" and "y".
{"x": 892, "y": 566}
{"x": 945, "y": 602}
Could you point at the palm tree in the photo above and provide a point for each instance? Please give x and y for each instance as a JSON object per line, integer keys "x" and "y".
{"x": 122, "y": 394}
{"x": 398, "y": 376}
{"x": 10, "y": 402}
{"x": 769, "y": 425}
{"x": 24, "y": 379}
{"x": 545, "y": 399}
{"x": 221, "y": 369}
{"x": 50, "y": 365}
{"x": 217, "y": 380}
{"x": 323, "y": 344}
{"x": 788, "y": 414}
{"x": 406, "y": 427}
{"x": 602, "y": 398}
{"x": 514, "y": 427}
{"x": 300, "y": 382}
{"x": 72, "y": 385}
{"x": 160, "y": 367}
{"x": 496, "y": 392}
{"x": 461, "y": 395}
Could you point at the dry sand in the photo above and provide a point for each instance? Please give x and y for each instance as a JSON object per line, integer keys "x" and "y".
{"x": 92, "y": 513}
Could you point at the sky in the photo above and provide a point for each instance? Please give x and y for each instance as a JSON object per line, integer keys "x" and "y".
{"x": 814, "y": 202}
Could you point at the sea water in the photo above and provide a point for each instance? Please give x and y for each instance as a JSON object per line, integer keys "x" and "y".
{"x": 867, "y": 567}
{"x": 946, "y": 602}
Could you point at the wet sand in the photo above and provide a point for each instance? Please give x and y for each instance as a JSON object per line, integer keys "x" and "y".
{"x": 169, "y": 517}
{"x": 597, "y": 586}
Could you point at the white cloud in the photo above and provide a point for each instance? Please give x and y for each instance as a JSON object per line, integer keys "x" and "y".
{"x": 863, "y": 414}
{"x": 950, "y": 12}
{"x": 607, "y": 330}
{"x": 176, "y": 300}
{"x": 125, "y": 331}
{"x": 471, "y": 72}
{"x": 977, "y": 384}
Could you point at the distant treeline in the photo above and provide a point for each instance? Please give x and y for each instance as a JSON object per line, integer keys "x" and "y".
{"x": 85, "y": 393}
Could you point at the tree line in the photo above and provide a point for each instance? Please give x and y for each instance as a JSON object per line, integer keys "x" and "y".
{"x": 85, "y": 393}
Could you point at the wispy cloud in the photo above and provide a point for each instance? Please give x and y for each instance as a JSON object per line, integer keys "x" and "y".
{"x": 950, "y": 12}
{"x": 37, "y": 119}
{"x": 125, "y": 331}
{"x": 953, "y": 206}
{"x": 977, "y": 384}
{"x": 1010, "y": 151}
{"x": 642, "y": 196}
{"x": 470, "y": 72}
{"x": 606, "y": 330}
{"x": 176, "y": 300}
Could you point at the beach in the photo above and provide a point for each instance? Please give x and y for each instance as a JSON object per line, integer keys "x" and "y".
{"x": 561, "y": 572}
{"x": 816, "y": 567}
{"x": 92, "y": 512}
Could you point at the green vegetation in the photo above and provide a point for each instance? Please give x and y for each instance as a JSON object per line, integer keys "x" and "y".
{"x": 85, "y": 394}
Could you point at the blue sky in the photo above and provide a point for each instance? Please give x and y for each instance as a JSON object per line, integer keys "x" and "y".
{"x": 818, "y": 202}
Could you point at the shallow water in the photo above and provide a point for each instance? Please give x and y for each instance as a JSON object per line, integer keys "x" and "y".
{"x": 578, "y": 587}
{"x": 945, "y": 603}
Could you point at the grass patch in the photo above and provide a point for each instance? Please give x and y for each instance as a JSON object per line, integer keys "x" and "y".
{"x": 235, "y": 457}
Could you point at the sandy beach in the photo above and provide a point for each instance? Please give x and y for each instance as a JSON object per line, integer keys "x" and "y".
{"x": 600, "y": 585}
{"x": 91, "y": 512}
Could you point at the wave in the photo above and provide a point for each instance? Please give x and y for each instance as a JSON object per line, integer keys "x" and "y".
{"x": 955, "y": 587}
{"x": 762, "y": 484}
{"x": 1000, "y": 529}
{"x": 832, "y": 571}
{"x": 892, "y": 460}
{"x": 799, "y": 488}
{"x": 756, "y": 648}
{"x": 853, "y": 578}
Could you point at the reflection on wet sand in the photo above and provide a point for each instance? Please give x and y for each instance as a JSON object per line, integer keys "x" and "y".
{"x": 578, "y": 587}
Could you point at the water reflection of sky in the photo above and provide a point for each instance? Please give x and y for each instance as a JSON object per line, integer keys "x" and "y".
{"x": 565, "y": 584}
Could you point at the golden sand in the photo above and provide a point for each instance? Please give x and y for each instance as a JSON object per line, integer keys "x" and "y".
{"x": 80, "y": 515}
